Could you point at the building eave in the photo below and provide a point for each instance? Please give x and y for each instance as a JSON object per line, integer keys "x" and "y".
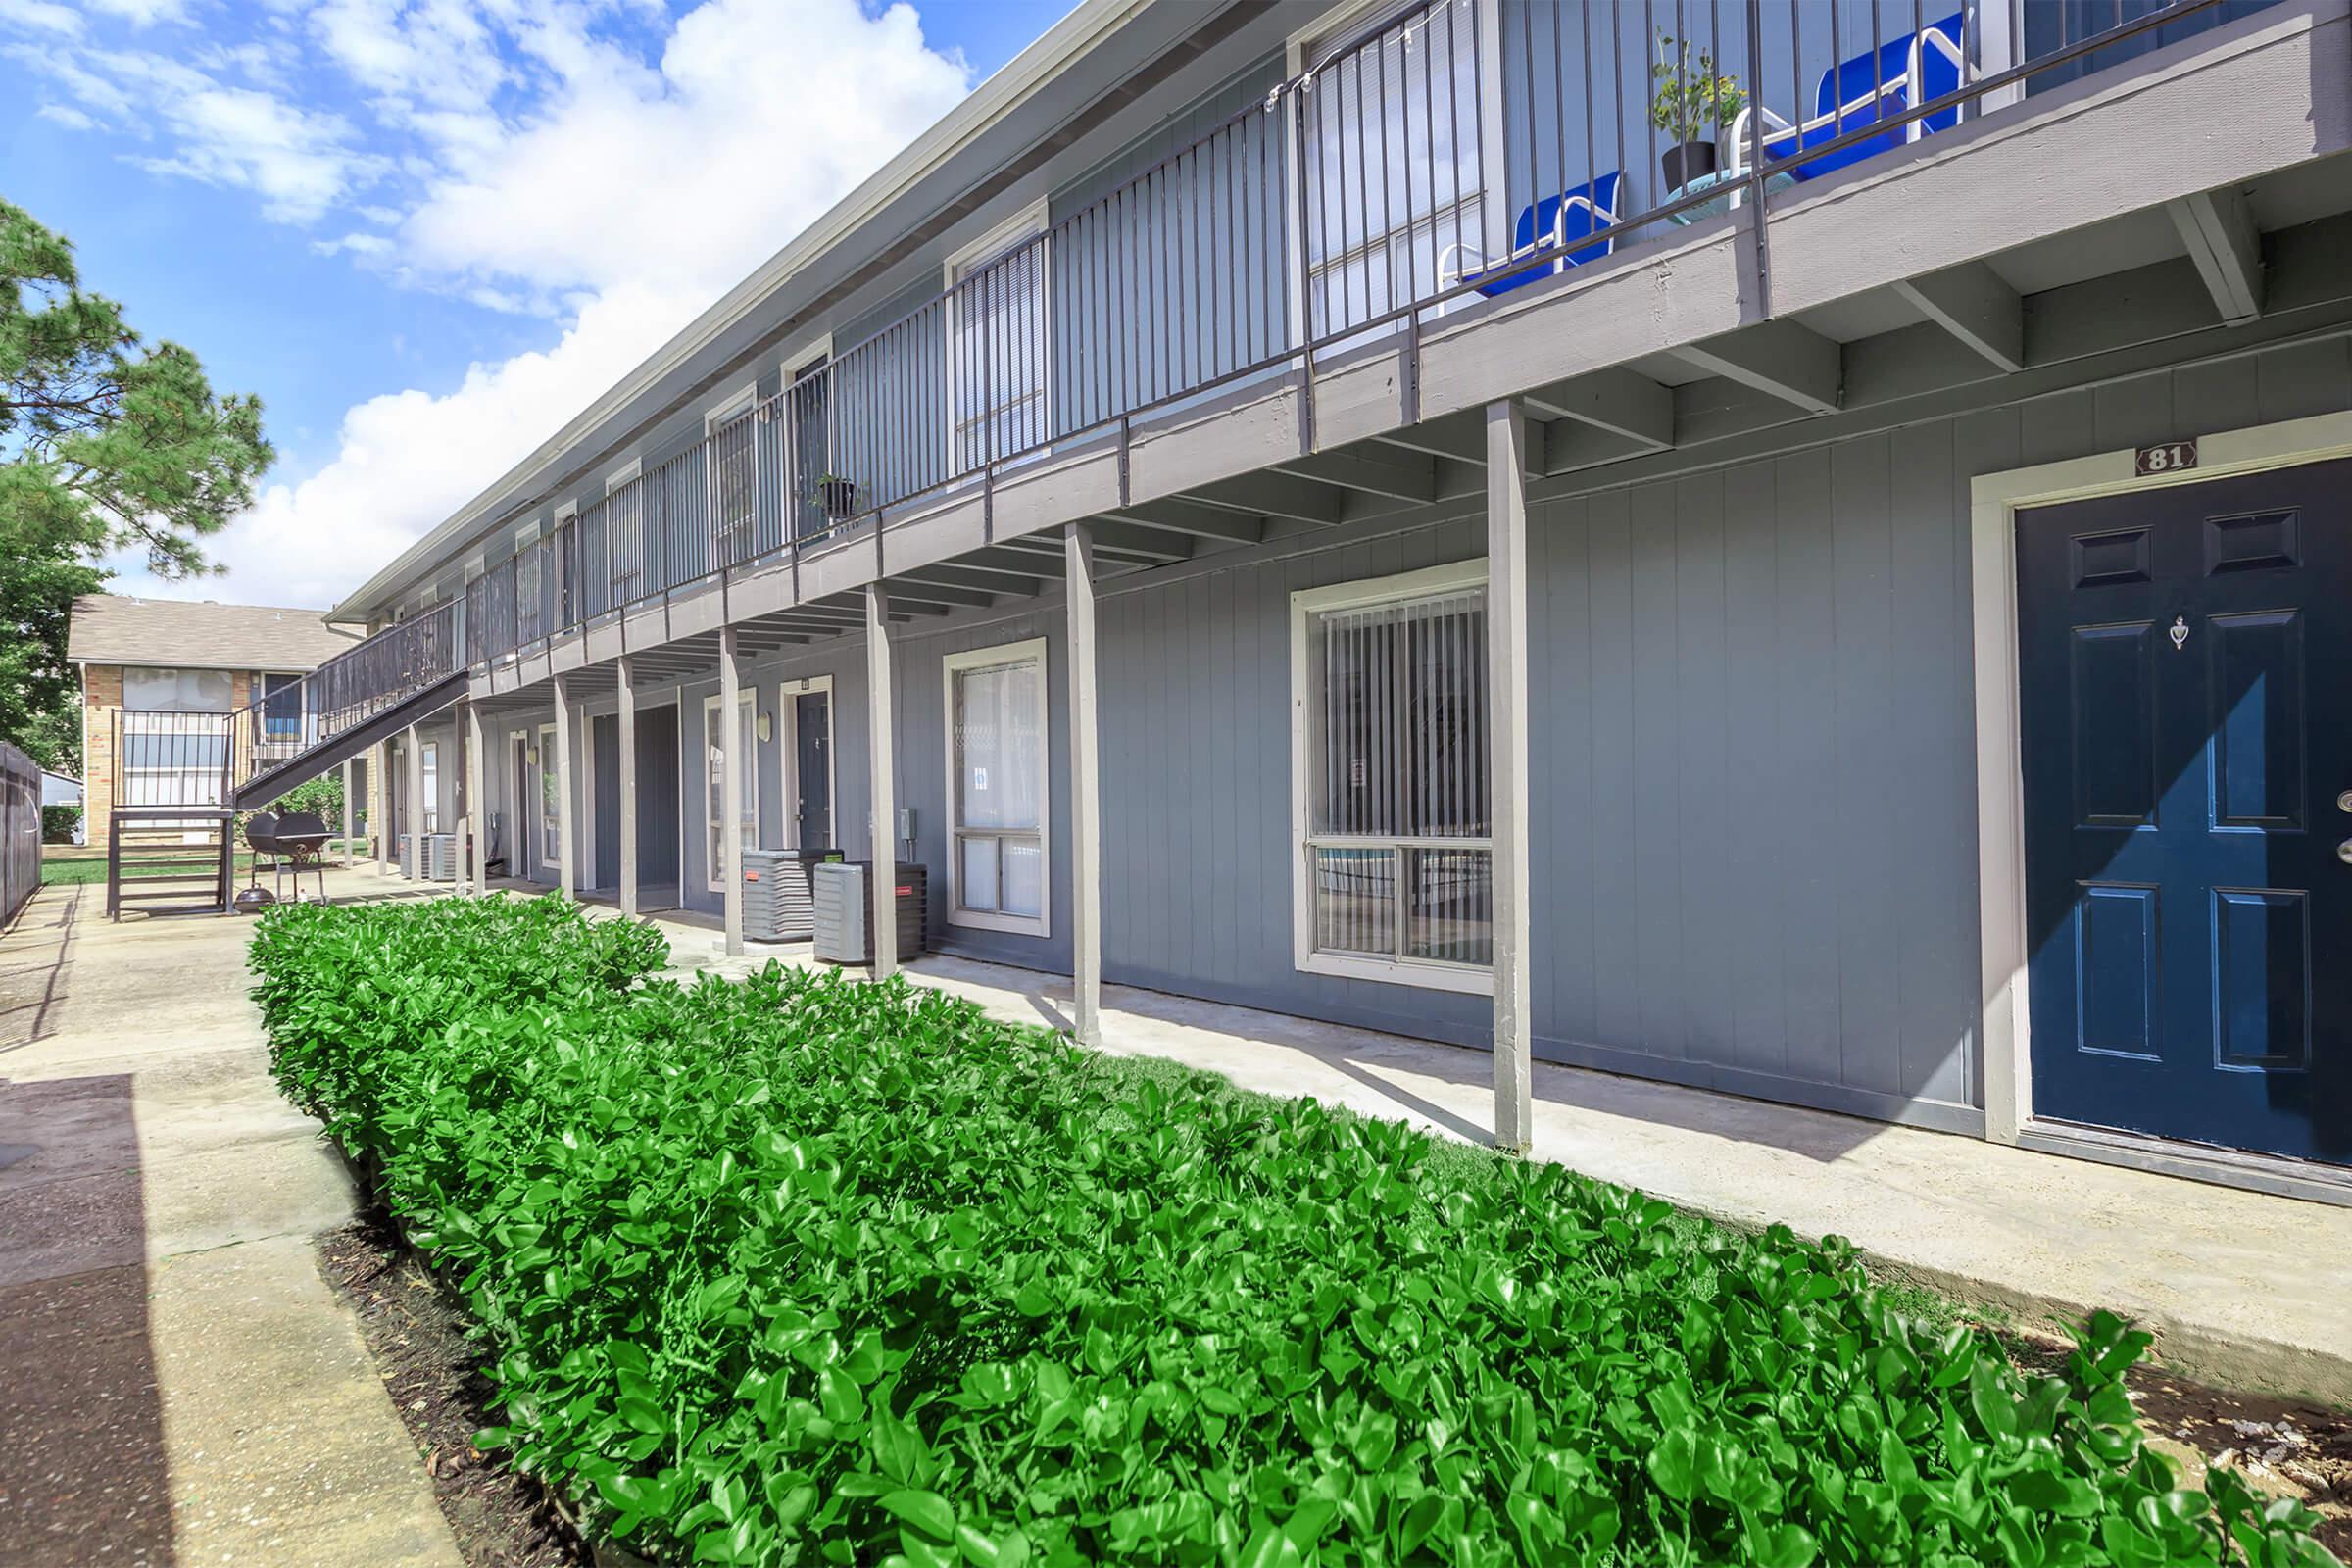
{"x": 1090, "y": 24}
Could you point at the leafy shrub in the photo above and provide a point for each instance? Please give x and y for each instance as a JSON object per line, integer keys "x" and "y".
{"x": 799, "y": 1270}
{"x": 58, "y": 823}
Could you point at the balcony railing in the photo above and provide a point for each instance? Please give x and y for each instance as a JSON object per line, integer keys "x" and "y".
{"x": 1416, "y": 169}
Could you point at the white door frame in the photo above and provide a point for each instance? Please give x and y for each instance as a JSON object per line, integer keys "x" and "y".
{"x": 1994, "y": 501}
{"x": 587, "y": 845}
{"x": 788, "y": 714}
{"x": 518, "y": 858}
{"x": 748, "y": 695}
{"x": 545, "y": 736}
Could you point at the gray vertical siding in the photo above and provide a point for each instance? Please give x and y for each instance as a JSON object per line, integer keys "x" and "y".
{"x": 1753, "y": 754}
{"x": 1754, "y": 792}
{"x": 1754, "y": 778}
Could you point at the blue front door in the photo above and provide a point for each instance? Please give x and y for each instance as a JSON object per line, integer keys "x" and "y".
{"x": 2186, "y": 719}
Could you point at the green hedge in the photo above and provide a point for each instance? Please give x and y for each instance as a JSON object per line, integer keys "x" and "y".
{"x": 800, "y": 1270}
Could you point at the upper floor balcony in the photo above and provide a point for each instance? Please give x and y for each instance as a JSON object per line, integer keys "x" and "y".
{"x": 1395, "y": 183}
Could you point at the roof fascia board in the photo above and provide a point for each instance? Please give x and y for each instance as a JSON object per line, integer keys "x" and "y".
{"x": 1086, "y": 27}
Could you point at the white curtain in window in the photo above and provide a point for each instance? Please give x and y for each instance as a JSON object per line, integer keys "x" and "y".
{"x": 1000, "y": 738}
{"x": 177, "y": 691}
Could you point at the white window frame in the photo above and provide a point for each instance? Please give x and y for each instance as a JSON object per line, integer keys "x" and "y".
{"x": 1427, "y": 973}
{"x": 548, "y": 829}
{"x": 990, "y": 657}
{"x": 428, "y": 766}
{"x": 714, "y": 872}
{"x": 787, "y": 728}
{"x": 1015, "y": 232}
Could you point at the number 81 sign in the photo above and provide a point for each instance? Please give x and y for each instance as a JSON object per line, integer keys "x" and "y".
{"x": 2171, "y": 457}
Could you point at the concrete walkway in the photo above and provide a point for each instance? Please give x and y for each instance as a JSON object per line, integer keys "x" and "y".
{"x": 2243, "y": 1290}
{"x": 178, "y": 1384}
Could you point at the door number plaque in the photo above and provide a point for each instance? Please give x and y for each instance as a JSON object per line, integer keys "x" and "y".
{"x": 2170, "y": 456}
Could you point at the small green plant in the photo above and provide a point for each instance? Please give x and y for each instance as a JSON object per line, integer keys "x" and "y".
{"x": 1690, "y": 99}
{"x": 834, "y": 494}
{"x": 799, "y": 1271}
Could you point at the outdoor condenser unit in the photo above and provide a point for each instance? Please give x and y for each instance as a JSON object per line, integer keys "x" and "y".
{"x": 407, "y": 855}
{"x": 440, "y": 857}
{"x": 845, "y": 911}
{"x": 779, "y": 900}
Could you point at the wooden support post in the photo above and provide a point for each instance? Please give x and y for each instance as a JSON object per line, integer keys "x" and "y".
{"x": 729, "y": 742}
{"x": 1507, "y": 674}
{"x": 566, "y": 862}
{"x": 477, "y": 804}
{"x": 1086, "y": 799}
{"x": 349, "y": 807}
{"x": 628, "y": 788}
{"x": 412, "y": 821}
{"x": 880, "y": 786}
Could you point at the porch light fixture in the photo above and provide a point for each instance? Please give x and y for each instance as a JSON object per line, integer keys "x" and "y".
{"x": 766, "y": 728}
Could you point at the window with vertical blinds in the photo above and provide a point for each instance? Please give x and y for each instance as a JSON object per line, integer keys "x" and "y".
{"x": 1398, "y": 857}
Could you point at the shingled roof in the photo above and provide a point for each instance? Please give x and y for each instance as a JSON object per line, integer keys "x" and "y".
{"x": 189, "y": 634}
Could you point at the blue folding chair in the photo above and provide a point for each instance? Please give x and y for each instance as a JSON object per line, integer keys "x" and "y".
{"x": 1916, "y": 68}
{"x": 1561, "y": 227}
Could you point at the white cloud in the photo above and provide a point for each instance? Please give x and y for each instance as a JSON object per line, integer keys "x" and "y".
{"x": 301, "y": 162}
{"x": 42, "y": 16}
{"x": 65, "y": 114}
{"x": 142, "y": 12}
{"x": 621, "y": 197}
{"x": 353, "y": 244}
{"x": 404, "y": 461}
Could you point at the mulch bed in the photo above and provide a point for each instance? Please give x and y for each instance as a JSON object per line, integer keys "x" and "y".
{"x": 432, "y": 1369}
{"x": 2285, "y": 1448}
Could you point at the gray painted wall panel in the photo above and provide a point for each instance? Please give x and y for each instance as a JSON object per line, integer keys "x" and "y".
{"x": 1753, "y": 778}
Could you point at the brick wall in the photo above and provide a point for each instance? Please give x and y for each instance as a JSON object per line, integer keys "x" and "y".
{"x": 101, "y": 698}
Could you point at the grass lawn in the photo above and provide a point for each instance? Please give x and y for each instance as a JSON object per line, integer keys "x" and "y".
{"x": 797, "y": 1270}
{"x": 77, "y": 864}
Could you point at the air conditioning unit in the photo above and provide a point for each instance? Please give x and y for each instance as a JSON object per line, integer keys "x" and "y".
{"x": 407, "y": 855}
{"x": 844, "y": 908}
{"x": 779, "y": 900}
{"x": 440, "y": 857}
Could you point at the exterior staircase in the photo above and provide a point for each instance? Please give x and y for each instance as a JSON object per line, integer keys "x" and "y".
{"x": 170, "y": 859}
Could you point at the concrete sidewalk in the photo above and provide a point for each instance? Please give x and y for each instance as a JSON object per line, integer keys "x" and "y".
{"x": 2243, "y": 1290}
{"x": 182, "y": 1385}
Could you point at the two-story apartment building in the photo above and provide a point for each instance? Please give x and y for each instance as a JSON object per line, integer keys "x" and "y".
{"x": 1803, "y": 549}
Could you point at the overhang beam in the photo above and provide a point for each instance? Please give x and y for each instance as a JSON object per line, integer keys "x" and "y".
{"x": 2218, "y": 228}
{"x": 1790, "y": 362}
{"x": 1974, "y": 305}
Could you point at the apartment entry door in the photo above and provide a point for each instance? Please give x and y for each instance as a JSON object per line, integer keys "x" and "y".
{"x": 2187, "y": 771}
{"x": 808, "y": 772}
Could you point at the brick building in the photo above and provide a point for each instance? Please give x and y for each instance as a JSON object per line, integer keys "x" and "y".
{"x": 146, "y": 663}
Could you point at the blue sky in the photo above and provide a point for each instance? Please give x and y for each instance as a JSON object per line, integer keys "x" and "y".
{"x": 427, "y": 231}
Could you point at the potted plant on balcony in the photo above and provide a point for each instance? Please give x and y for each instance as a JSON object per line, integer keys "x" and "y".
{"x": 1689, "y": 100}
{"x": 833, "y": 495}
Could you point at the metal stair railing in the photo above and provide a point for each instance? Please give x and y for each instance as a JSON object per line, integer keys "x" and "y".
{"x": 388, "y": 668}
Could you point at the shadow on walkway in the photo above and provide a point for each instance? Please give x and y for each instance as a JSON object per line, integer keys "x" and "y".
{"x": 1384, "y": 1065}
{"x": 32, "y": 973}
{"x": 83, "y": 1472}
